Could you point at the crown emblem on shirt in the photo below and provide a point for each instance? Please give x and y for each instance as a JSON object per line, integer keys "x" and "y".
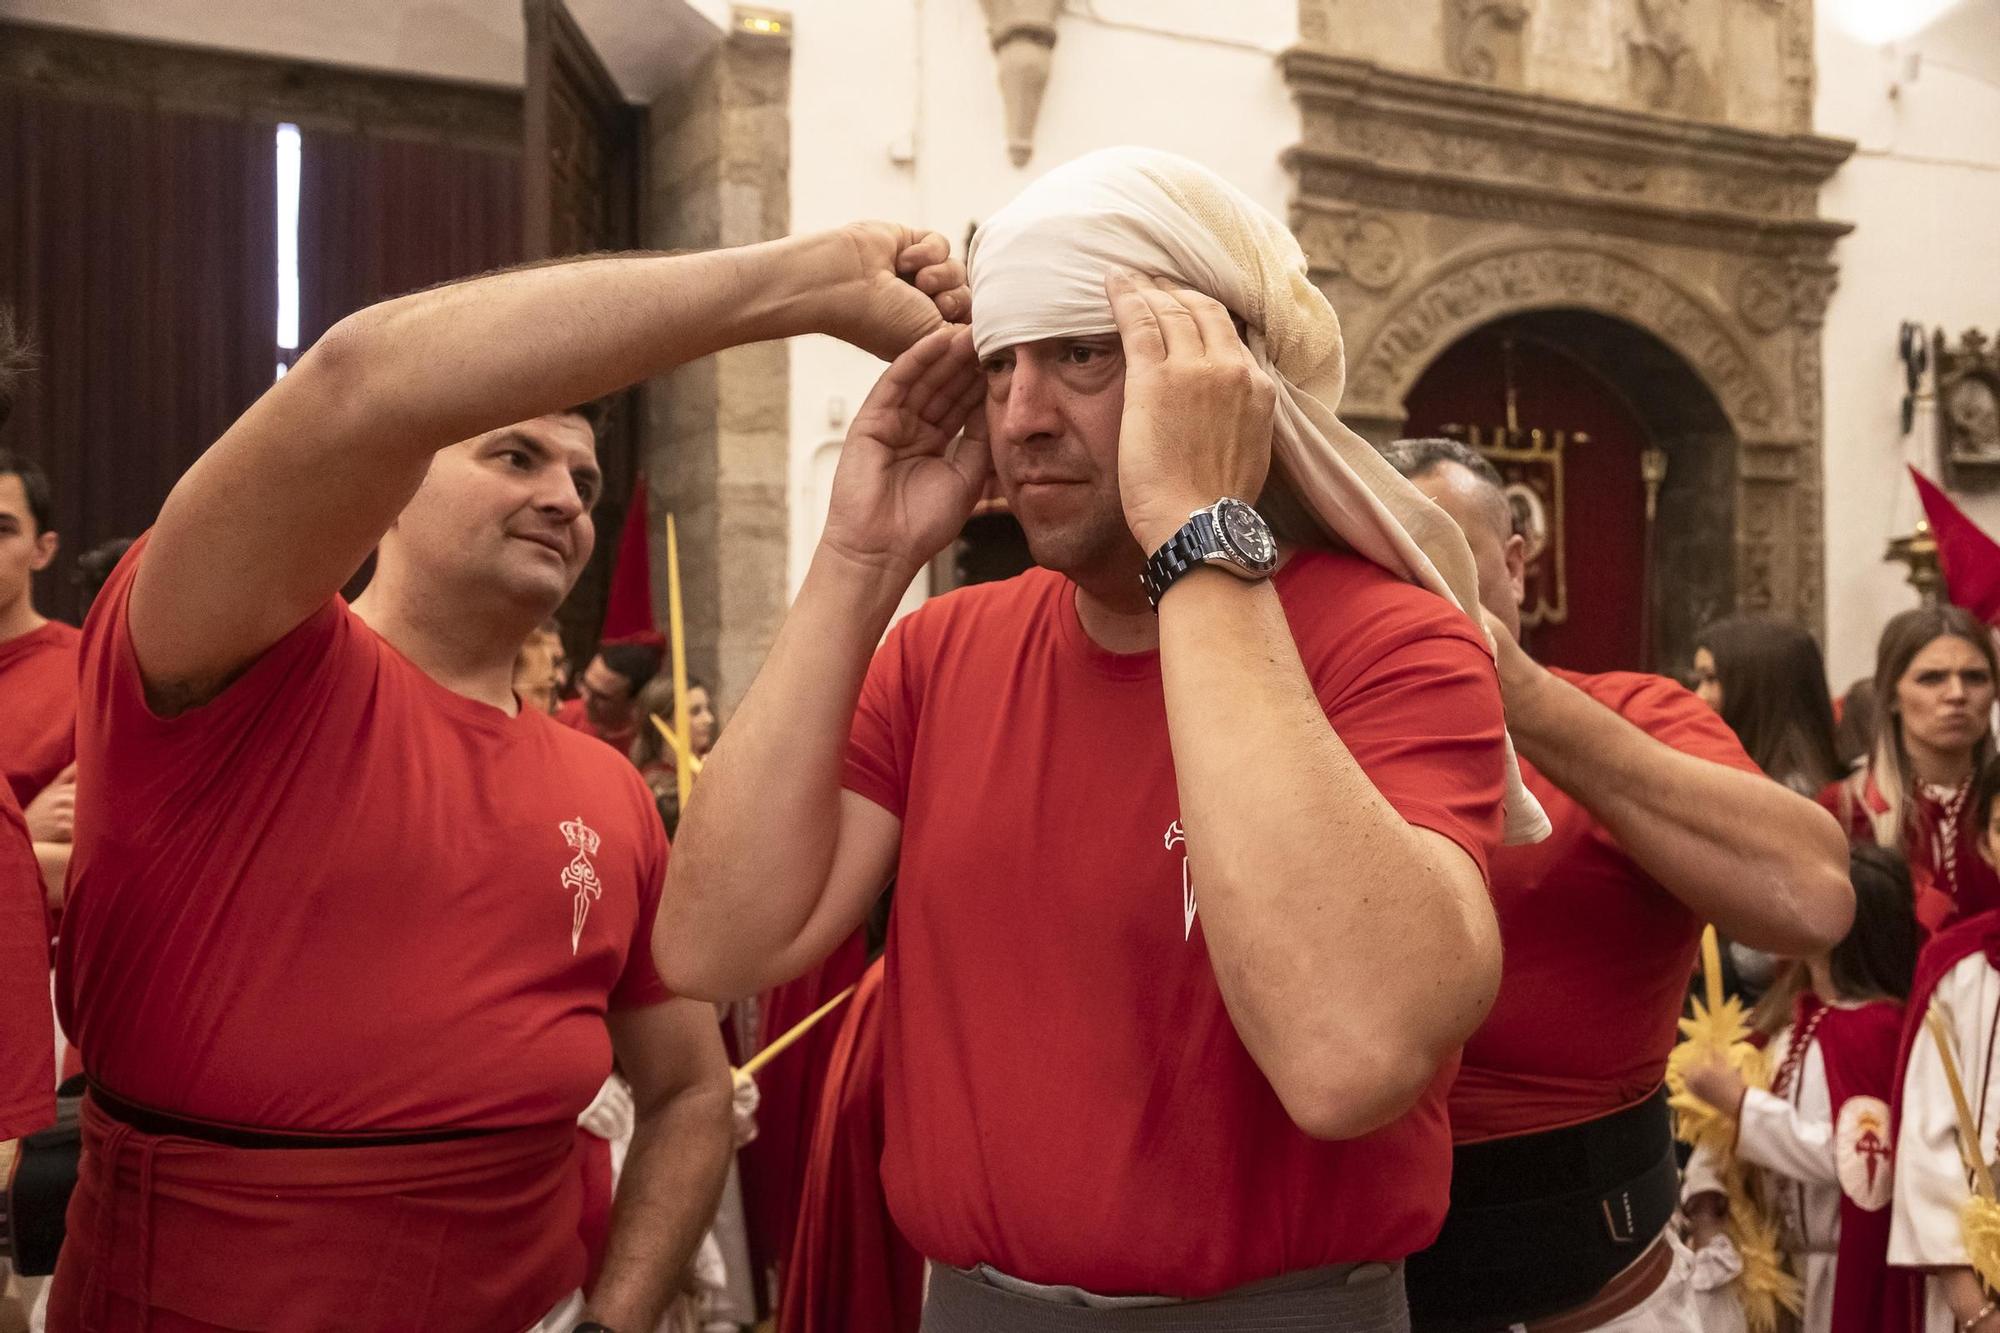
{"x": 580, "y": 836}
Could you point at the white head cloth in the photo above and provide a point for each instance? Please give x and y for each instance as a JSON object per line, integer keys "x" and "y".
{"x": 1038, "y": 268}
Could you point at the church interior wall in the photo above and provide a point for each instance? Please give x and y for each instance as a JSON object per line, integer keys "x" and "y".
{"x": 1923, "y": 190}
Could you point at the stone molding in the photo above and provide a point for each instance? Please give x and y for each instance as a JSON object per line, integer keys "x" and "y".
{"x": 1414, "y": 141}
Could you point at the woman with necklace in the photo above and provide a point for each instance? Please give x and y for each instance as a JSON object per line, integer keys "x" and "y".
{"x": 1934, "y": 684}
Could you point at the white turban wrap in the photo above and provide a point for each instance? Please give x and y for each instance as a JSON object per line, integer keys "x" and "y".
{"x": 1038, "y": 269}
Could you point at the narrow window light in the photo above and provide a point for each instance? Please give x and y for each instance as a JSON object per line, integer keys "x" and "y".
{"x": 288, "y": 243}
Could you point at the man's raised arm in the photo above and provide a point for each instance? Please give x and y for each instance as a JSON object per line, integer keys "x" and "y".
{"x": 279, "y": 513}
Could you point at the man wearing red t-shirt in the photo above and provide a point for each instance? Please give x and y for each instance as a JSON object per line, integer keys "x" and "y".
{"x": 365, "y": 934}
{"x": 1564, "y": 1175}
{"x": 37, "y": 670}
{"x": 607, "y": 704}
{"x": 1190, "y": 913}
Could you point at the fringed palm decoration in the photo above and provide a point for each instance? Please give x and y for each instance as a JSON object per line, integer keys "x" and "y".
{"x": 1720, "y": 1028}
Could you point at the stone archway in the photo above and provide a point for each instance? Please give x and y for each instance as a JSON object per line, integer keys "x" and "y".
{"x": 1487, "y": 283}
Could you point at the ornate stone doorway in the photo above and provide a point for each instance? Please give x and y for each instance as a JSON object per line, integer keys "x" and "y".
{"x": 1622, "y": 465}
{"x": 1682, "y": 260}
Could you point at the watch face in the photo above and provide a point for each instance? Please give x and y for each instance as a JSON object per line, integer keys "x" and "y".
{"x": 1246, "y": 532}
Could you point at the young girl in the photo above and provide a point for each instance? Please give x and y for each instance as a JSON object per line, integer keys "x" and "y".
{"x": 1820, "y": 1137}
{"x": 1958, "y": 978}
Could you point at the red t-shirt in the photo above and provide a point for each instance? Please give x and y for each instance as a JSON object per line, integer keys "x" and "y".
{"x": 342, "y": 897}
{"x": 571, "y": 713}
{"x": 37, "y": 707}
{"x": 1597, "y": 953}
{"x": 27, "y": 1029}
{"x": 1065, "y": 1096}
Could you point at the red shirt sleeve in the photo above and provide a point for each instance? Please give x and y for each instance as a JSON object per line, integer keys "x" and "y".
{"x": 154, "y": 756}
{"x": 1424, "y": 722}
{"x": 639, "y": 985}
{"x": 1675, "y": 716}
{"x": 883, "y": 737}
{"x": 27, "y": 1026}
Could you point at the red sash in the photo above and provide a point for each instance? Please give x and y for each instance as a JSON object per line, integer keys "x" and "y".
{"x": 1859, "y": 1048}
{"x": 851, "y": 1269}
{"x": 175, "y": 1234}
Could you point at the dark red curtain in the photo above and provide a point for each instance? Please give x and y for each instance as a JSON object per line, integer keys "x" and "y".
{"x": 138, "y": 248}
{"x": 379, "y": 217}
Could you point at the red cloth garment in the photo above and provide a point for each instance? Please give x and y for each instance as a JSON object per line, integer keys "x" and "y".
{"x": 1859, "y": 1048}
{"x": 1597, "y": 953}
{"x": 628, "y": 605}
{"x": 851, "y": 1269}
{"x": 789, "y": 1095}
{"x": 339, "y": 898}
{"x": 571, "y": 714}
{"x": 593, "y": 1162}
{"x": 37, "y": 707}
{"x": 1949, "y": 878}
{"x": 175, "y": 1235}
{"x": 27, "y": 1028}
{"x": 1968, "y": 558}
{"x": 1059, "y": 1064}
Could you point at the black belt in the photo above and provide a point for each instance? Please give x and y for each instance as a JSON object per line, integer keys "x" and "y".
{"x": 147, "y": 1120}
{"x": 1539, "y": 1223}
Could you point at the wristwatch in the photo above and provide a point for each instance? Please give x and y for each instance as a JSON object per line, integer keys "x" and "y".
{"x": 1229, "y": 534}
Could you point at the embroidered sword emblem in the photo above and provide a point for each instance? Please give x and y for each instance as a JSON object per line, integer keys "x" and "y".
{"x": 1177, "y": 837}
{"x": 580, "y": 876}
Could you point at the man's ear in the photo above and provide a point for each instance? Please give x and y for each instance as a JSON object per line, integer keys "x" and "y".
{"x": 45, "y": 550}
{"x": 1516, "y": 552}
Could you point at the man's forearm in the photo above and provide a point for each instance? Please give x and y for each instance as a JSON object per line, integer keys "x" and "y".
{"x": 666, "y": 1202}
{"x": 1766, "y": 865}
{"x": 53, "y": 860}
{"x": 1304, "y": 872}
{"x": 439, "y": 366}
{"x": 744, "y": 884}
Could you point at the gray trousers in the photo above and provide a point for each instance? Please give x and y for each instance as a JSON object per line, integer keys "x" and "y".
{"x": 1347, "y": 1298}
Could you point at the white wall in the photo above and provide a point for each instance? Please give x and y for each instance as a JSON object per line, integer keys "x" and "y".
{"x": 1923, "y": 190}
{"x": 915, "y": 80}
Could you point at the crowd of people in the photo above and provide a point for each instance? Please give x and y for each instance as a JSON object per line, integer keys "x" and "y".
{"x": 897, "y": 1034}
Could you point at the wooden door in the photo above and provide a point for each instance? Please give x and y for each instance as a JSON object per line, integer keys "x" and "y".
{"x": 582, "y": 151}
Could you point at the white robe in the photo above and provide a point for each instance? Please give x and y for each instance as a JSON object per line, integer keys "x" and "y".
{"x": 1931, "y": 1181}
{"x": 1791, "y": 1137}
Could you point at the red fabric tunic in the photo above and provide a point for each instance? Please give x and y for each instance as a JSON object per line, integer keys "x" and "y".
{"x": 342, "y": 898}
{"x": 27, "y": 1029}
{"x": 851, "y": 1269}
{"x": 37, "y": 707}
{"x": 1059, "y": 1065}
{"x": 789, "y": 1095}
{"x": 1597, "y": 953}
{"x": 1949, "y": 877}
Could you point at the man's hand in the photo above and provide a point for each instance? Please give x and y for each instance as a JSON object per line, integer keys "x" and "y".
{"x": 1520, "y": 674}
{"x": 903, "y": 489}
{"x": 1716, "y": 1083}
{"x": 1197, "y": 423}
{"x": 885, "y": 286}
{"x": 51, "y": 815}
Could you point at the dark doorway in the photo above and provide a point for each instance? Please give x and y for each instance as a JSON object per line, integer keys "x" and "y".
{"x": 1634, "y": 592}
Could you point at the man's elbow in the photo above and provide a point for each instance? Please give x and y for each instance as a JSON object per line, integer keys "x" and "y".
{"x": 1357, "y": 1095}
{"x": 1821, "y": 897}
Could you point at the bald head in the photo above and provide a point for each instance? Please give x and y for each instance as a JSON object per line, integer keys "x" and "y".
{"x": 1466, "y": 487}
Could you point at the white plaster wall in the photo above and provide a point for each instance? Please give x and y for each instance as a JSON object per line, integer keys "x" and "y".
{"x": 896, "y": 112}
{"x": 1923, "y": 190}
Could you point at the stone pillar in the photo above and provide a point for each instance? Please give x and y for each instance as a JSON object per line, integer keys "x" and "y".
{"x": 717, "y": 453}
